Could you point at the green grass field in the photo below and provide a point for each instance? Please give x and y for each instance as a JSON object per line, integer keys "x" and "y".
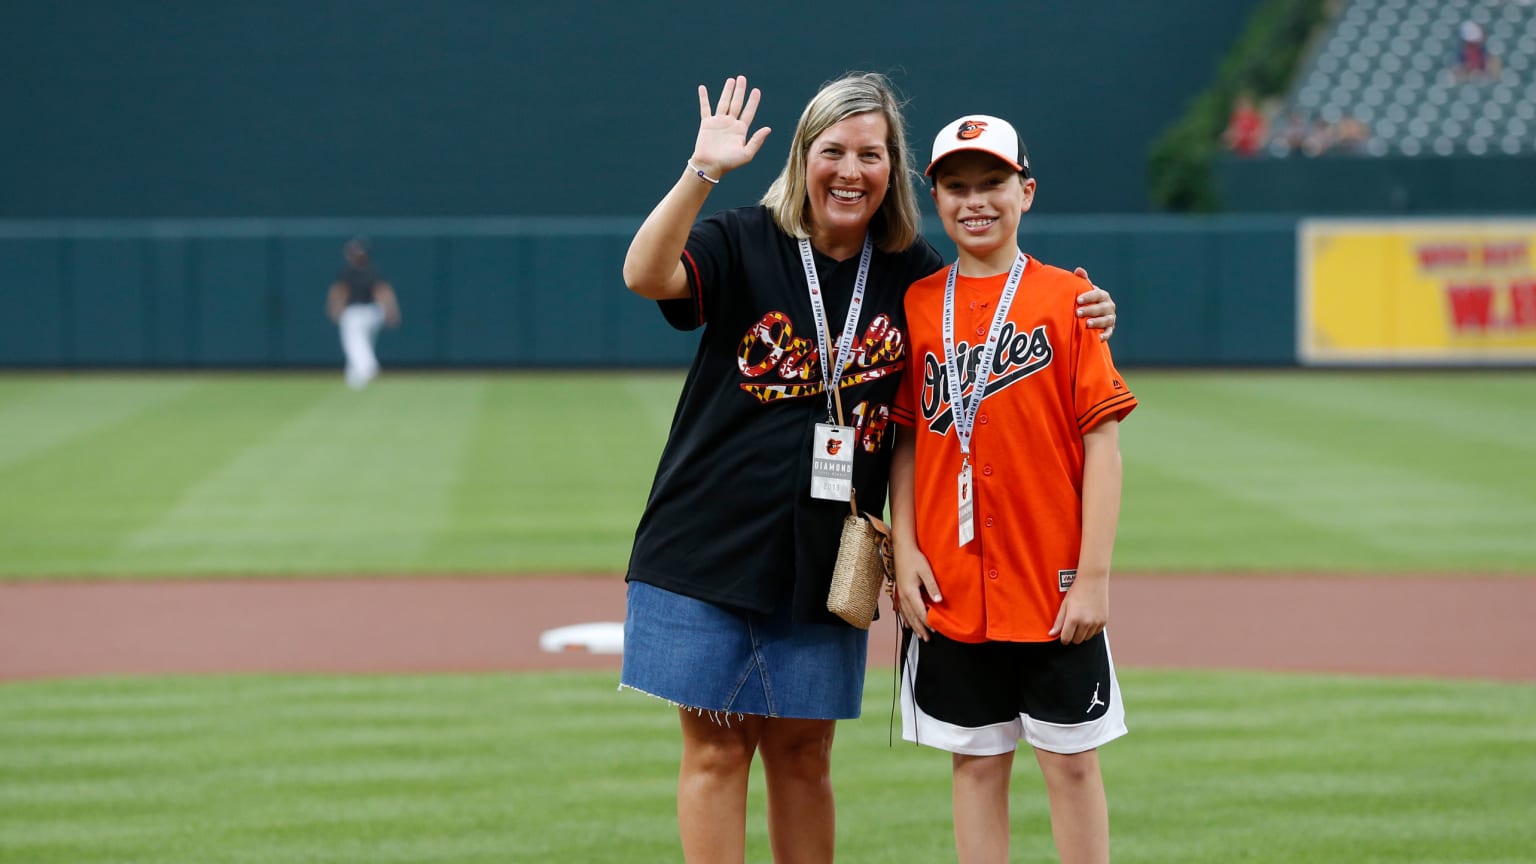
{"x": 128, "y": 475}
{"x": 113, "y": 476}
{"x": 1218, "y": 768}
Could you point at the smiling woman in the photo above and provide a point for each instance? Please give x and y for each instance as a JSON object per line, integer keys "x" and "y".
{"x": 847, "y": 177}
{"x": 834, "y": 245}
{"x": 844, "y": 161}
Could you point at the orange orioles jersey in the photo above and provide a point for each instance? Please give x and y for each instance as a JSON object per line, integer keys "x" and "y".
{"x": 1051, "y": 381}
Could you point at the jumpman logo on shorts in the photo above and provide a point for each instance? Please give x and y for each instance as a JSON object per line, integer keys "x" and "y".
{"x": 1096, "y": 700}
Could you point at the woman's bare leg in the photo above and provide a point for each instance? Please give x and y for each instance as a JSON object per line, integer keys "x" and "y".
{"x": 712, "y": 785}
{"x": 797, "y": 763}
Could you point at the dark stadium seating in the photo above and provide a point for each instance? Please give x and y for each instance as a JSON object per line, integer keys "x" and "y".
{"x": 1391, "y": 64}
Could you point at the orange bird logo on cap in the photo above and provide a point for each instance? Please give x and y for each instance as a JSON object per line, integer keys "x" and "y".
{"x": 971, "y": 129}
{"x": 834, "y": 445}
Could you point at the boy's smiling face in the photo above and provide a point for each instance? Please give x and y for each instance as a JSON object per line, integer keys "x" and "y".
{"x": 980, "y": 200}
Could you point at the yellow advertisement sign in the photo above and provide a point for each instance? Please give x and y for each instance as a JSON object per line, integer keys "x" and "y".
{"x": 1407, "y": 291}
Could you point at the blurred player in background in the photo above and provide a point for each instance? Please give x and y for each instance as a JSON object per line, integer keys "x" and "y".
{"x": 360, "y": 302}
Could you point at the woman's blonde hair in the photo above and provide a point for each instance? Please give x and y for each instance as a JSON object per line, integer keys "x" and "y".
{"x": 895, "y": 226}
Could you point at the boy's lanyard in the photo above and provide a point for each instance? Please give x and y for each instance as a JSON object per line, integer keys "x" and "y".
{"x": 832, "y": 445}
{"x": 964, "y": 410}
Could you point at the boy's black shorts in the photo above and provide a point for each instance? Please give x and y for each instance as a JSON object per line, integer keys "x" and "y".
{"x": 982, "y": 698}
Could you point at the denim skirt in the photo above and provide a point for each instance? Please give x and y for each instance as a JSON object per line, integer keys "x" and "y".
{"x": 714, "y": 659}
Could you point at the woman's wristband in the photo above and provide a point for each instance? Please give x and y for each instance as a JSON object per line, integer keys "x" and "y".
{"x": 699, "y": 172}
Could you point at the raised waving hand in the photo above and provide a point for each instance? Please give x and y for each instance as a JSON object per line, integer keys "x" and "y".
{"x": 653, "y": 266}
{"x": 724, "y": 144}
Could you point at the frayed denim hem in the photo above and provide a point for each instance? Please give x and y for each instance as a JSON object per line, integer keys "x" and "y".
{"x": 719, "y": 718}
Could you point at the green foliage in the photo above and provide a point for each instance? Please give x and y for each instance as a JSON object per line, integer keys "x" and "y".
{"x": 1262, "y": 61}
{"x": 119, "y": 476}
{"x": 465, "y": 769}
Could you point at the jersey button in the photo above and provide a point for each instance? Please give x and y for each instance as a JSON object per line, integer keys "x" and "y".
{"x": 973, "y": 304}
{"x": 986, "y": 470}
{"x": 982, "y": 419}
{"x": 981, "y": 331}
{"x": 991, "y": 574}
{"x": 989, "y": 521}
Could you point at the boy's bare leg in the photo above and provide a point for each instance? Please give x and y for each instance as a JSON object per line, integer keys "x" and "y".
{"x": 1079, "y": 810}
{"x": 981, "y": 807}
{"x": 797, "y": 765}
{"x": 712, "y": 786}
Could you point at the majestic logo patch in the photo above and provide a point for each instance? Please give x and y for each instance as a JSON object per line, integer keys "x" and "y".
{"x": 971, "y": 129}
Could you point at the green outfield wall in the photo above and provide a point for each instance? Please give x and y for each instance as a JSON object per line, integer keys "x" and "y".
{"x": 396, "y": 108}
{"x": 547, "y": 293}
{"x": 1344, "y": 185}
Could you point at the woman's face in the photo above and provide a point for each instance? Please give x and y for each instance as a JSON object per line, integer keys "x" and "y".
{"x": 847, "y": 173}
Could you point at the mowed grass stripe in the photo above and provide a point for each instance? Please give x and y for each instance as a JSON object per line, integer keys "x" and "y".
{"x": 1325, "y": 761}
{"x": 1476, "y": 431}
{"x": 548, "y": 472}
{"x": 421, "y": 769}
{"x": 68, "y": 509}
{"x": 46, "y": 412}
{"x": 356, "y": 481}
{"x": 1466, "y": 428}
{"x": 1218, "y": 766}
{"x": 1468, "y": 497}
{"x": 1487, "y": 409}
{"x": 1171, "y": 522}
{"x": 1224, "y": 488}
{"x": 563, "y": 464}
{"x": 1374, "y": 493}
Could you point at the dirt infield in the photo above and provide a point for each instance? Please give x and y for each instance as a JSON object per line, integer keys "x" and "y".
{"x": 1443, "y": 627}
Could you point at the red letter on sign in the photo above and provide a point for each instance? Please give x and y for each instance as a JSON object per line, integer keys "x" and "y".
{"x": 1471, "y": 306}
{"x": 1522, "y": 304}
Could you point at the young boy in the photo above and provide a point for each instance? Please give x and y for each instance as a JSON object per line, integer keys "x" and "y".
{"x": 1004, "y": 505}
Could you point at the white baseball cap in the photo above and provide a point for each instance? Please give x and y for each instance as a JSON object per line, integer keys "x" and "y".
{"x": 983, "y": 133}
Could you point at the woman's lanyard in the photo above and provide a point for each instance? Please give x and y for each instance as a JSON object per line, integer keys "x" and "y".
{"x": 832, "y": 446}
{"x": 964, "y": 410}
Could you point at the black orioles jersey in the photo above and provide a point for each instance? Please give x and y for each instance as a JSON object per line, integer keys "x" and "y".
{"x": 730, "y": 519}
